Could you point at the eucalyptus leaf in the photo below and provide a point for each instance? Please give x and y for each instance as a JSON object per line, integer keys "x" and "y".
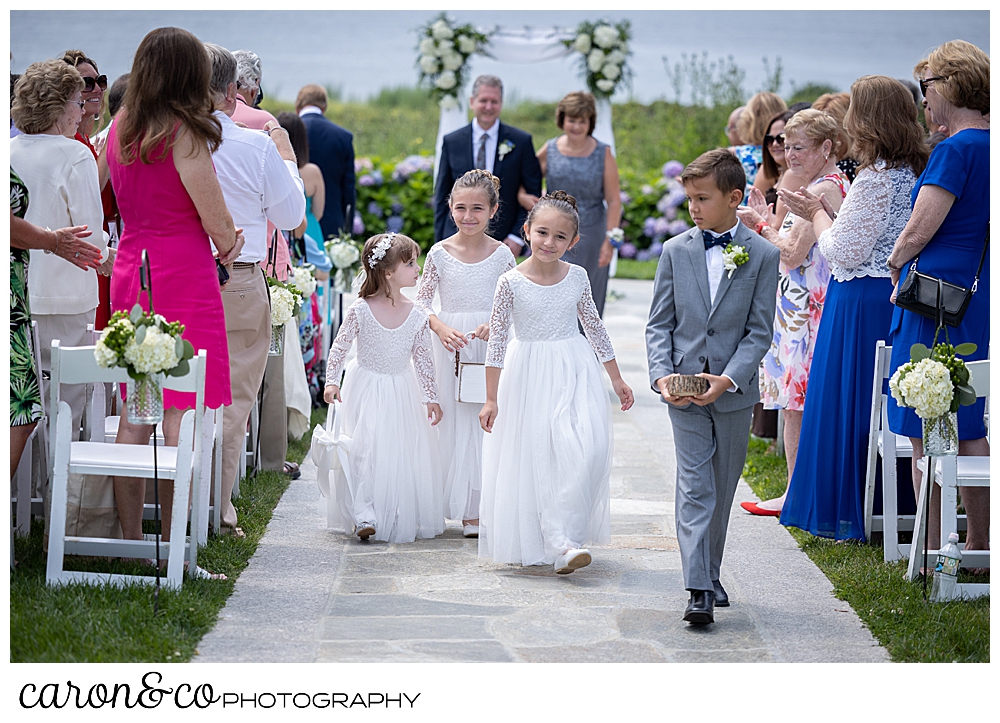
{"x": 134, "y": 374}
{"x": 140, "y": 334}
{"x": 962, "y": 375}
{"x": 966, "y": 348}
{"x": 188, "y": 350}
{"x": 918, "y": 352}
{"x": 135, "y": 315}
{"x": 181, "y": 369}
{"x": 179, "y": 348}
{"x": 966, "y": 394}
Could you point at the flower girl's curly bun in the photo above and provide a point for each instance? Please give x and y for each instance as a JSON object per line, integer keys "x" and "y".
{"x": 562, "y": 202}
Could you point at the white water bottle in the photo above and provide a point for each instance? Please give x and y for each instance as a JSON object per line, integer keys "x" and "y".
{"x": 946, "y": 570}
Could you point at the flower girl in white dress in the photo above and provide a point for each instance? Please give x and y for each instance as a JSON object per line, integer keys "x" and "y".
{"x": 390, "y": 486}
{"x": 463, "y": 270}
{"x": 547, "y": 461}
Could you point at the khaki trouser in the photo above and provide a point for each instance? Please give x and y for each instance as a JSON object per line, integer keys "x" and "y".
{"x": 248, "y": 330}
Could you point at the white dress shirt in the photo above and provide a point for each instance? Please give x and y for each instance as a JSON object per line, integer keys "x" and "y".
{"x": 713, "y": 258}
{"x": 258, "y": 185}
{"x": 310, "y": 109}
{"x": 492, "y": 138}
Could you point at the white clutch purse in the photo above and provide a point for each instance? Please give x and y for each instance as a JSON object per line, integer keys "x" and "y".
{"x": 470, "y": 381}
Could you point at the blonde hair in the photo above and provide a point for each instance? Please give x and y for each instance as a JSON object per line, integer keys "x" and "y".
{"x": 401, "y": 248}
{"x": 964, "y": 71}
{"x": 816, "y": 125}
{"x": 481, "y": 179}
{"x": 577, "y": 105}
{"x": 755, "y": 118}
{"x": 560, "y": 201}
{"x": 883, "y": 120}
{"x": 41, "y": 94}
{"x": 835, "y": 105}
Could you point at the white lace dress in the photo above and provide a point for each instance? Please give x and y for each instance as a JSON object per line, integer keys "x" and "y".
{"x": 393, "y": 474}
{"x": 466, "y": 295}
{"x": 547, "y": 463}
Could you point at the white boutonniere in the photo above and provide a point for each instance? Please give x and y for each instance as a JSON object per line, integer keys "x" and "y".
{"x": 733, "y": 257}
{"x": 505, "y": 148}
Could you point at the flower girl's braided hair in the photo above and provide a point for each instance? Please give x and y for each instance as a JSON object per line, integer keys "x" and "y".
{"x": 381, "y": 254}
{"x": 562, "y": 202}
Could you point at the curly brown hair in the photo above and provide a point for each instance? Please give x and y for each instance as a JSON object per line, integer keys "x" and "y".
{"x": 168, "y": 87}
{"x": 41, "y": 94}
{"x": 964, "y": 71}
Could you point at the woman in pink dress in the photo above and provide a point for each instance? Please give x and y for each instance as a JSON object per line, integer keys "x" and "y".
{"x": 161, "y": 168}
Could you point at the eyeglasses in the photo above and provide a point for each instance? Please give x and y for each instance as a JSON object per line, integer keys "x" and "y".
{"x": 924, "y": 82}
{"x": 90, "y": 83}
{"x": 779, "y": 139}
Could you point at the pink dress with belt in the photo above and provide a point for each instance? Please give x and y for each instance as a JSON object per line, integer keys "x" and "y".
{"x": 158, "y": 215}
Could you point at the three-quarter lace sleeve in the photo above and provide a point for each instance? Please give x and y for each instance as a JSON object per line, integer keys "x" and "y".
{"x": 428, "y": 284}
{"x": 503, "y": 304}
{"x": 423, "y": 364}
{"x": 341, "y": 345}
{"x": 593, "y": 327}
{"x": 860, "y": 224}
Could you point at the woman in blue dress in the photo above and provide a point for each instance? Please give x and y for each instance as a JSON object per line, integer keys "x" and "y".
{"x": 826, "y": 492}
{"x": 946, "y": 237}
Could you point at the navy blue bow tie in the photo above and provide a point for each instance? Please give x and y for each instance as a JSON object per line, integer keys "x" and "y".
{"x": 711, "y": 240}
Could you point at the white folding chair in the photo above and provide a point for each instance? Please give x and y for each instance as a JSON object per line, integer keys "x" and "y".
{"x": 950, "y": 473}
{"x": 76, "y": 365}
{"x": 885, "y": 445}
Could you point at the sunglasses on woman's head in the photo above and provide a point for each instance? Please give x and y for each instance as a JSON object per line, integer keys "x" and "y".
{"x": 89, "y": 83}
{"x": 779, "y": 139}
{"x": 924, "y": 83}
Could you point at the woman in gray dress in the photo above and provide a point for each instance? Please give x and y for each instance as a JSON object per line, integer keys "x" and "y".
{"x": 581, "y": 165}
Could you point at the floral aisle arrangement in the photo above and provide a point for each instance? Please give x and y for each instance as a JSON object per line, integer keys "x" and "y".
{"x": 148, "y": 347}
{"x": 604, "y": 50}
{"x": 444, "y": 49}
{"x": 652, "y": 211}
{"x": 304, "y": 279}
{"x": 286, "y": 299}
{"x": 935, "y": 383}
{"x": 345, "y": 253}
{"x": 396, "y": 197}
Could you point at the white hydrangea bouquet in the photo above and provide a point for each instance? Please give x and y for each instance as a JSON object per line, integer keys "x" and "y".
{"x": 935, "y": 383}
{"x": 146, "y": 345}
{"x": 604, "y": 50}
{"x": 304, "y": 279}
{"x": 444, "y": 49}
{"x": 286, "y": 298}
{"x": 345, "y": 255}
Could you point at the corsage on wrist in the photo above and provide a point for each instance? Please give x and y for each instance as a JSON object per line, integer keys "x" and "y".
{"x": 616, "y": 236}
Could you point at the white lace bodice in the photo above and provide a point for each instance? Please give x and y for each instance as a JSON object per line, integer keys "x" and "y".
{"x": 461, "y": 286}
{"x": 873, "y": 215}
{"x": 545, "y": 313}
{"x": 385, "y": 351}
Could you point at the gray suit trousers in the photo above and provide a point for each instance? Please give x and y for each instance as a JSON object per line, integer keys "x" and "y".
{"x": 711, "y": 448}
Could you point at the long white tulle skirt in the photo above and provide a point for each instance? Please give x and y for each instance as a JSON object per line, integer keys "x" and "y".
{"x": 394, "y": 476}
{"x": 547, "y": 463}
{"x": 460, "y": 438}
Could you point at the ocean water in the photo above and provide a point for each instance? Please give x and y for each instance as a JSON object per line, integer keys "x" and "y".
{"x": 362, "y": 51}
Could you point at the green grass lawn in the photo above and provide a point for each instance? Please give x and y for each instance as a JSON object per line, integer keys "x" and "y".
{"x": 892, "y": 608}
{"x": 95, "y": 624}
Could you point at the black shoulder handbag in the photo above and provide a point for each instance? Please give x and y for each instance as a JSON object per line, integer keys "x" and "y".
{"x": 937, "y": 299}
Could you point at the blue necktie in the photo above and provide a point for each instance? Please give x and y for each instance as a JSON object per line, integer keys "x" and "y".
{"x": 711, "y": 240}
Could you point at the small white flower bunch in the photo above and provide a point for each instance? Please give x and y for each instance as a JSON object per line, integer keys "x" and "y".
{"x": 444, "y": 50}
{"x": 144, "y": 344}
{"x": 733, "y": 257}
{"x": 504, "y": 148}
{"x": 303, "y": 280}
{"x": 604, "y": 49}
{"x": 284, "y": 303}
{"x": 343, "y": 253}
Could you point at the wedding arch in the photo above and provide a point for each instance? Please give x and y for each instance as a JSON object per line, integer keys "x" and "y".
{"x": 445, "y": 48}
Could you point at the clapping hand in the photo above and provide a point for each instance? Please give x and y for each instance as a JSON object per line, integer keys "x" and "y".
{"x": 804, "y": 203}
{"x": 749, "y": 217}
{"x": 757, "y": 203}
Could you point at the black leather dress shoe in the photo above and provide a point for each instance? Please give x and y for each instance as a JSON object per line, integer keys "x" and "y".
{"x": 700, "y": 608}
{"x": 721, "y": 596}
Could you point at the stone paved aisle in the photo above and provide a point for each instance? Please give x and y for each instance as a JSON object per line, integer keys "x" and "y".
{"x": 310, "y": 595}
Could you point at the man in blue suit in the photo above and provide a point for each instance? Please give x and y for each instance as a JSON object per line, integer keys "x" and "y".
{"x": 332, "y": 149}
{"x": 503, "y": 150}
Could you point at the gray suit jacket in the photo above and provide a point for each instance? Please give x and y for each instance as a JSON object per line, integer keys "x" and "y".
{"x": 686, "y": 329}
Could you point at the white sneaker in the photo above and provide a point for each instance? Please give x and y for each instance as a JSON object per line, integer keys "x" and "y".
{"x": 470, "y": 530}
{"x": 364, "y": 530}
{"x": 572, "y": 560}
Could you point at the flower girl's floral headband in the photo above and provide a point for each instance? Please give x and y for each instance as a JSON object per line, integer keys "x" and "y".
{"x": 378, "y": 253}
